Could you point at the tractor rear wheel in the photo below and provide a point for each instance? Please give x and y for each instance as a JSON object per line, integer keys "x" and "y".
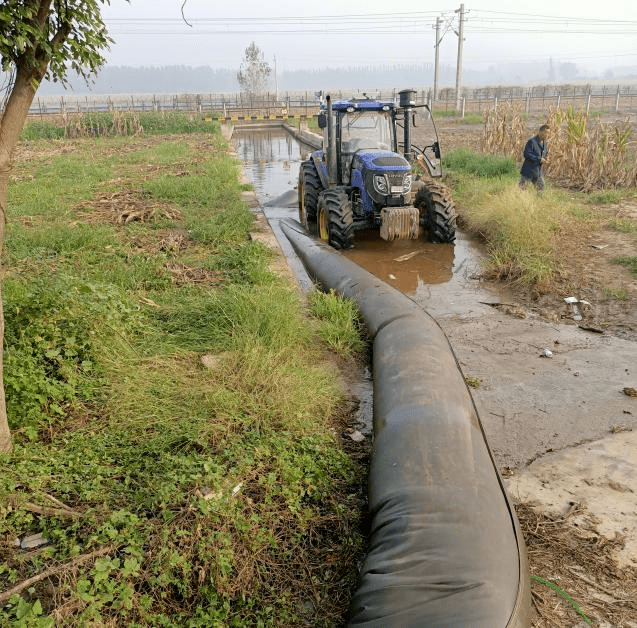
{"x": 437, "y": 212}
{"x": 308, "y": 190}
{"x": 335, "y": 218}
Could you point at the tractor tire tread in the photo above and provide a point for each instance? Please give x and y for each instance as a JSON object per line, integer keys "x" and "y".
{"x": 341, "y": 218}
{"x": 437, "y": 212}
{"x": 309, "y": 188}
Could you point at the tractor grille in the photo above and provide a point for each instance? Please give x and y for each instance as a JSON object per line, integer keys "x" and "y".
{"x": 395, "y": 179}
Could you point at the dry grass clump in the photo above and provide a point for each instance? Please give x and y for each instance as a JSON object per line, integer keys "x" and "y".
{"x": 183, "y": 274}
{"x": 519, "y": 227}
{"x": 126, "y": 206}
{"x": 96, "y": 126}
{"x": 579, "y": 562}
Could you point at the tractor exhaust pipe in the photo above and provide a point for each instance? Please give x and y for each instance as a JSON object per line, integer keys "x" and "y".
{"x": 407, "y": 101}
{"x": 331, "y": 146}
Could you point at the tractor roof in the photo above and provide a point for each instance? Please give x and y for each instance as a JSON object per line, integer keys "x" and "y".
{"x": 363, "y": 105}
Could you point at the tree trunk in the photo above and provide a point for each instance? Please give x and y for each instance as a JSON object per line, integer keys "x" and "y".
{"x": 11, "y": 124}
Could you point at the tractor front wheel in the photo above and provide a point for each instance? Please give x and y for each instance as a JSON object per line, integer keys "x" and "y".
{"x": 308, "y": 191}
{"x": 335, "y": 219}
{"x": 437, "y": 212}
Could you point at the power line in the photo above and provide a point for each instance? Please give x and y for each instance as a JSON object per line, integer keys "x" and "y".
{"x": 478, "y": 21}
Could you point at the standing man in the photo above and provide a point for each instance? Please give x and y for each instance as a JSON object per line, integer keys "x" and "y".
{"x": 534, "y": 156}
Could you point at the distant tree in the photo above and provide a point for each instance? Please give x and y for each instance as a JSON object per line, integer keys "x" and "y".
{"x": 568, "y": 71}
{"x": 551, "y": 71}
{"x": 40, "y": 38}
{"x": 254, "y": 71}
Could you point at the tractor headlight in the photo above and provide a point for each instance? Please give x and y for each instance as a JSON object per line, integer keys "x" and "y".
{"x": 407, "y": 183}
{"x": 380, "y": 183}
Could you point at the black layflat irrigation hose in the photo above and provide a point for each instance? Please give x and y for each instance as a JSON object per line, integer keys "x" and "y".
{"x": 446, "y": 550}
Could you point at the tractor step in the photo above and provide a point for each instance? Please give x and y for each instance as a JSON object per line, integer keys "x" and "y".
{"x": 399, "y": 223}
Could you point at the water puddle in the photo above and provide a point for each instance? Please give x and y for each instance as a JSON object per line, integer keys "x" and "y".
{"x": 271, "y": 162}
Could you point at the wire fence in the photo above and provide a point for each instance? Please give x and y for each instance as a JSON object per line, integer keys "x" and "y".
{"x": 619, "y": 99}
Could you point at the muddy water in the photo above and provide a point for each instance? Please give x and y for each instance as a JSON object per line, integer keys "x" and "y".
{"x": 440, "y": 277}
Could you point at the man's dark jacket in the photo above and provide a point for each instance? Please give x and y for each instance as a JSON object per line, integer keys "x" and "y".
{"x": 534, "y": 151}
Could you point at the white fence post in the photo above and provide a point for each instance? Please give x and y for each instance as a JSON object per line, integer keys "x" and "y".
{"x": 617, "y": 101}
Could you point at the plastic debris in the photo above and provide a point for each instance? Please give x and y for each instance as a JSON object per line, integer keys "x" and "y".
{"x": 547, "y": 353}
{"x": 575, "y": 304}
{"x": 356, "y": 436}
{"x": 30, "y": 542}
{"x": 407, "y": 256}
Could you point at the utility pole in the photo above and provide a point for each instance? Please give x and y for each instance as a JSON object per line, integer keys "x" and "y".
{"x": 276, "y": 84}
{"x": 459, "y": 65}
{"x": 437, "y": 61}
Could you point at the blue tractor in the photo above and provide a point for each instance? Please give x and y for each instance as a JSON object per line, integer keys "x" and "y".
{"x": 359, "y": 180}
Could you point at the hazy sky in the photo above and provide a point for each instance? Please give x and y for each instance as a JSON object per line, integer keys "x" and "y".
{"x": 333, "y": 33}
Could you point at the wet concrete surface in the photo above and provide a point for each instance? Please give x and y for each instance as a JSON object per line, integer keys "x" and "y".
{"x": 530, "y": 405}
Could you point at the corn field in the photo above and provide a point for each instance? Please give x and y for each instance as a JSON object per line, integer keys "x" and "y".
{"x": 99, "y": 125}
{"x": 583, "y": 154}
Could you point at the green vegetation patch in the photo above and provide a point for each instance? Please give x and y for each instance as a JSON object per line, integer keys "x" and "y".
{"x": 518, "y": 226}
{"x": 625, "y": 225}
{"x": 341, "y": 328}
{"x": 170, "y": 401}
{"x": 464, "y": 160}
{"x": 628, "y": 262}
{"x": 119, "y": 123}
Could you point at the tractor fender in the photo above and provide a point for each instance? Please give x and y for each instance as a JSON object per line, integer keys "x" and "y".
{"x": 319, "y": 159}
{"x": 446, "y": 550}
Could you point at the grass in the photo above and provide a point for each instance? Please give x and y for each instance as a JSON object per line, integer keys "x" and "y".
{"x": 464, "y": 160}
{"x": 519, "y": 226}
{"x": 624, "y": 225}
{"x": 606, "y": 197}
{"x": 470, "y": 117}
{"x": 628, "y": 262}
{"x": 117, "y": 123}
{"x": 341, "y": 322}
{"x": 616, "y": 293}
{"x": 171, "y": 403}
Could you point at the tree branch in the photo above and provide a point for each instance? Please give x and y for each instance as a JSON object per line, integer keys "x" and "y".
{"x": 52, "y": 571}
{"x": 49, "y": 512}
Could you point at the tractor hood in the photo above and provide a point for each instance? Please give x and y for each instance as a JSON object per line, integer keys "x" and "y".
{"x": 382, "y": 161}
{"x": 387, "y": 176}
